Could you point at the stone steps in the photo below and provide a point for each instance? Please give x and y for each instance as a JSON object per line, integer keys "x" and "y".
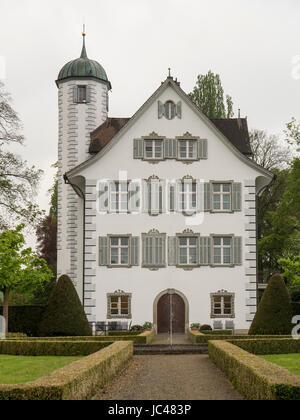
{"x": 155, "y": 349}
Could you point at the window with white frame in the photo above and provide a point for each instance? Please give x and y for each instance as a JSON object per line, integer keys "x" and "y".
{"x": 154, "y": 149}
{"x": 118, "y": 305}
{"x": 222, "y": 305}
{"x": 221, "y": 197}
{"x": 188, "y": 196}
{"x": 187, "y": 149}
{"x": 188, "y": 249}
{"x": 222, "y": 250}
{"x": 119, "y": 196}
{"x": 119, "y": 251}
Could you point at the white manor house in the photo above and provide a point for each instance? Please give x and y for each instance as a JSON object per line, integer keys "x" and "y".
{"x": 156, "y": 213}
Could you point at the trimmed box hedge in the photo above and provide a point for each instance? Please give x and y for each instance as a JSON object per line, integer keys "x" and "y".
{"x": 78, "y": 381}
{"x": 252, "y": 376}
{"x": 143, "y": 338}
{"x": 269, "y": 346}
{"x": 197, "y": 337}
{"x": 24, "y": 319}
{"x": 51, "y": 348}
{"x": 217, "y": 332}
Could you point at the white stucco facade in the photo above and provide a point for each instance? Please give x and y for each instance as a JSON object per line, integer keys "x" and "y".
{"x": 224, "y": 164}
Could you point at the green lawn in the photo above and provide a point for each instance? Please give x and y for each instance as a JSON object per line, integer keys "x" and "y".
{"x": 20, "y": 369}
{"x": 290, "y": 362}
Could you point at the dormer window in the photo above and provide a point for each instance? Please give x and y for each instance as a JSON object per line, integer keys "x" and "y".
{"x": 170, "y": 110}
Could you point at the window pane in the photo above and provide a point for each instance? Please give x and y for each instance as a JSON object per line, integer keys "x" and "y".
{"x": 158, "y": 148}
{"x": 217, "y": 255}
{"x": 124, "y": 241}
{"x": 217, "y": 241}
{"x": 226, "y": 201}
{"x": 216, "y": 187}
{"x": 114, "y": 256}
{"x": 227, "y": 259}
{"x": 182, "y": 241}
{"x": 217, "y": 202}
{"x": 182, "y": 148}
{"x": 193, "y": 256}
{"x": 227, "y": 241}
{"x": 193, "y": 241}
{"x": 226, "y": 187}
{"x": 124, "y": 255}
{"x": 81, "y": 93}
{"x": 114, "y": 241}
{"x": 183, "y": 255}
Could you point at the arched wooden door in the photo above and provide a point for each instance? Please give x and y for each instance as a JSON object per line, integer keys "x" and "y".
{"x": 171, "y": 306}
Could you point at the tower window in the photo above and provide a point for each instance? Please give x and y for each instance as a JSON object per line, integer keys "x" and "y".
{"x": 81, "y": 94}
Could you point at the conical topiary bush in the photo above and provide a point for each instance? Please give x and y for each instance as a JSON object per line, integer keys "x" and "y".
{"x": 64, "y": 315}
{"x": 274, "y": 313}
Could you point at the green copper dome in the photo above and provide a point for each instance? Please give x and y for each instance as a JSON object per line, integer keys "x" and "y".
{"x": 83, "y": 67}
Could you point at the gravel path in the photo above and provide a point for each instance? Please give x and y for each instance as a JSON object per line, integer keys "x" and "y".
{"x": 170, "y": 377}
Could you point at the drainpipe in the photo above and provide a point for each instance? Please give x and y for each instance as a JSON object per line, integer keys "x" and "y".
{"x": 257, "y": 196}
{"x": 81, "y": 194}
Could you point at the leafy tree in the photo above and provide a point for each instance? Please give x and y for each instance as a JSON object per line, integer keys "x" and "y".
{"x": 208, "y": 95}
{"x": 292, "y": 133}
{"x": 18, "y": 181}
{"x": 64, "y": 315}
{"x": 291, "y": 267}
{"x": 46, "y": 233}
{"x": 267, "y": 150}
{"x": 274, "y": 313}
{"x": 20, "y": 268}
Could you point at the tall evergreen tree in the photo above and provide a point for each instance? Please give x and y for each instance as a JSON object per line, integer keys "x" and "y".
{"x": 64, "y": 315}
{"x": 208, "y": 95}
{"x": 274, "y": 313}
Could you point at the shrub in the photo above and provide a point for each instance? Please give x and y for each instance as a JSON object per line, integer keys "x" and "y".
{"x": 78, "y": 381}
{"x": 195, "y": 325}
{"x": 64, "y": 315}
{"x": 147, "y": 326}
{"x": 205, "y": 328}
{"x": 254, "y": 377}
{"x": 217, "y": 332}
{"x": 269, "y": 346}
{"x": 122, "y": 333}
{"x": 296, "y": 308}
{"x": 24, "y": 319}
{"x": 274, "y": 313}
{"x": 136, "y": 328}
{"x": 50, "y": 348}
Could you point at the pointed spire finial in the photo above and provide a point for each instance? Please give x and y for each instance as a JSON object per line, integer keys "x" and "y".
{"x": 83, "y": 51}
{"x": 169, "y": 71}
{"x": 239, "y": 112}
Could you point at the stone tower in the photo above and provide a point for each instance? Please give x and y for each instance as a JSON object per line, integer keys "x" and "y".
{"x": 83, "y": 89}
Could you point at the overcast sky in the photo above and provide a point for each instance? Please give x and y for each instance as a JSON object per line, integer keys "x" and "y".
{"x": 253, "y": 44}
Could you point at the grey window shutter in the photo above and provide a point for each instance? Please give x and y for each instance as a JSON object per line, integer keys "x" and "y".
{"x": 171, "y": 197}
{"x": 236, "y": 196}
{"x": 154, "y": 197}
{"x": 75, "y": 94}
{"x": 237, "y": 250}
{"x": 88, "y": 94}
{"x": 172, "y": 250}
{"x": 179, "y": 109}
{"x": 200, "y": 196}
{"x": 205, "y": 250}
{"x": 162, "y": 197}
{"x": 146, "y": 196}
{"x": 103, "y": 250}
{"x": 134, "y": 197}
{"x": 160, "y": 109}
{"x": 134, "y": 250}
{"x": 202, "y": 149}
{"x": 170, "y": 151}
{"x": 207, "y": 196}
{"x": 104, "y": 196}
{"x": 138, "y": 148}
